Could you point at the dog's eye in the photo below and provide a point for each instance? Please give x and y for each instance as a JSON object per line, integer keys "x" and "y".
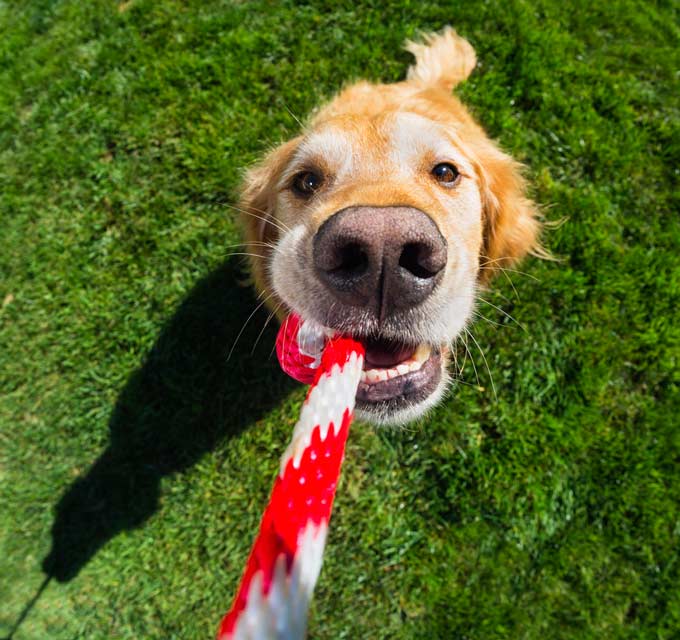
{"x": 306, "y": 183}
{"x": 445, "y": 173}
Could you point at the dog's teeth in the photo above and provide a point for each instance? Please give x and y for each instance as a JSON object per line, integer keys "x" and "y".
{"x": 372, "y": 375}
{"x": 422, "y": 353}
{"x": 411, "y": 365}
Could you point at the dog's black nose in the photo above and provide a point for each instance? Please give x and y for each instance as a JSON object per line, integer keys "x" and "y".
{"x": 383, "y": 258}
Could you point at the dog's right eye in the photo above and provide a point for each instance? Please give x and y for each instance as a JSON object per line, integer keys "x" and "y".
{"x": 445, "y": 173}
{"x": 306, "y": 183}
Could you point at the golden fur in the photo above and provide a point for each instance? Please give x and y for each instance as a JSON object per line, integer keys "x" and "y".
{"x": 377, "y": 144}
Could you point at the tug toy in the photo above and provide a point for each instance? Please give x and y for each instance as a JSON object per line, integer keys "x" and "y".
{"x": 274, "y": 595}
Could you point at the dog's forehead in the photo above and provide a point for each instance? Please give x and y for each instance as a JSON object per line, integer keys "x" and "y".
{"x": 332, "y": 145}
{"x": 398, "y": 138}
{"x": 413, "y": 137}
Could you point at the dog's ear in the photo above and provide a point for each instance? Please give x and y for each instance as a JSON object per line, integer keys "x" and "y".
{"x": 257, "y": 205}
{"x": 511, "y": 225}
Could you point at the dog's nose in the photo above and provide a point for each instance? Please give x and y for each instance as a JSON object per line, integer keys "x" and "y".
{"x": 383, "y": 258}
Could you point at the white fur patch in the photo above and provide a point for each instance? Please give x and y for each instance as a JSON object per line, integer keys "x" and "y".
{"x": 331, "y": 146}
{"x": 412, "y": 136}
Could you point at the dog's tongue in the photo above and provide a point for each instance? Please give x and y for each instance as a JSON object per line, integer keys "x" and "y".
{"x": 386, "y": 353}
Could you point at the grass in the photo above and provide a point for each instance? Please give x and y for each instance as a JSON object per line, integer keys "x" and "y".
{"x": 135, "y": 459}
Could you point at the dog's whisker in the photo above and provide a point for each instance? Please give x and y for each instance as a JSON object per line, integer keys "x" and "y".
{"x": 243, "y": 253}
{"x": 505, "y": 271}
{"x": 454, "y": 355}
{"x": 454, "y": 351}
{"x": 264, "y": 326}
{"x": 495, "y": 260}
{"x": 273, "y": 349}
{"x": 512, "y": 284}
{"x": 501, "y": 295}
{"x": 491, "y": 265}
{"x": 302, "y": 126}
{"x": 498, "y": 268}
{"x": 250, "y": 208}
{"x": 264, "y": 246}
{"x": 267, "y": 218}
{"x": 481, "y": 316}
{"x": 472, "y": 360}
{"x": 493, "y": 386}
{"x": 224, "y": 202}
{"x": 245, "y": 324}
{"x": 458, "y": 340}
{"x": 458, "y": 370}
{"x": 505, "y": 313}
{"x": 250, "y": 243}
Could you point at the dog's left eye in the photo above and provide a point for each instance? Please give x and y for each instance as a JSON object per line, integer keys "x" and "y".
{"x": 306, "y": 183}
{"x": 445, "y": 173}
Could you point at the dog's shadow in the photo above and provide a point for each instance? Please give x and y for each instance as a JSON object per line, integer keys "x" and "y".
{"x": 185, "y": 399}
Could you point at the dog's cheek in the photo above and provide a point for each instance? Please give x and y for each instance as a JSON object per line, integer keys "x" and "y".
{"x": 287, "y": 270}
{"x": 453, "y": 302}
{"x": 464, "y": 227}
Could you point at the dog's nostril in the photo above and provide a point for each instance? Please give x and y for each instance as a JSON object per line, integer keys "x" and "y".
{"x": 421, "y": 260}
{"x": 350, "y": 260}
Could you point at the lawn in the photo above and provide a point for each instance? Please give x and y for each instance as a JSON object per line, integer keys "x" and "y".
{"x": 135, "y": 456}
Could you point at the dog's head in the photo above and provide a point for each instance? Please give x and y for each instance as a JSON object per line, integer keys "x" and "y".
{"x": 382, "y": 220}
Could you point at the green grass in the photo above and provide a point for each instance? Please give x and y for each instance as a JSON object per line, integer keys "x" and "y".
{"x": 135, "y": 459}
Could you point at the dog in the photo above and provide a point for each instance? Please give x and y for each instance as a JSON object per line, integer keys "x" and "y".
{"x": 384, "y": 218}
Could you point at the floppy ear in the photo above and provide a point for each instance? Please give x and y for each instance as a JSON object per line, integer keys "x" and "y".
{"x": 511, "y": 225}
{"x": 257, "y": 205}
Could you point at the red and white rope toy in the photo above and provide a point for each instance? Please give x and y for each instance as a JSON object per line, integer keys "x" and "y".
{"x": 284, "y": 563}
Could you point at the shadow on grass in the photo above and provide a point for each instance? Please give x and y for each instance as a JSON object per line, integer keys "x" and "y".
{"x": 185, "y": 399}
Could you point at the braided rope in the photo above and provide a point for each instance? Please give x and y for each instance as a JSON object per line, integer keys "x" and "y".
{"x": 274, "y": 595}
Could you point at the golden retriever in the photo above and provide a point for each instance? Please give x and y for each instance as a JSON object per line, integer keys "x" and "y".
{"x": 384, "y": 217}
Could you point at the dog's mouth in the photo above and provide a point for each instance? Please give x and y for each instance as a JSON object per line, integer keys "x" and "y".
{"x": 401, "y": 378}
{"x": 397, "y": 374}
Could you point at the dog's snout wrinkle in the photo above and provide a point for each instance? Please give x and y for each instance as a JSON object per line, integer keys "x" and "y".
{"x": 382, "y": 258}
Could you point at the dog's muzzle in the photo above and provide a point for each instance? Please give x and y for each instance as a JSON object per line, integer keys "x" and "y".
{"x": 383, "y": 259}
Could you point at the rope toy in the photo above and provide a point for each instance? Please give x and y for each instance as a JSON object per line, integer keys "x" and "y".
{"x": 276, "y": 588}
